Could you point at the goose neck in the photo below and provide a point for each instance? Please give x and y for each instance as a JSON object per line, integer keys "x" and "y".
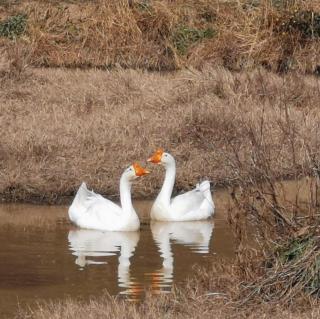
{"x": 125, "y": 194}
{"x": 167, "y": 188}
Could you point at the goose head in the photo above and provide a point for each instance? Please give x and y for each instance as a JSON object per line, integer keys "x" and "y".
{"x": 161, "y": 157}
{"x": 134, "y": 171}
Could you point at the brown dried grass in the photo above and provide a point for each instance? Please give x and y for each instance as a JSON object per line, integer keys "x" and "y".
{"x": 141, "y": 34}
{"x": 60, "y": 127}
{"x": 286, "y": 265}
{"x": 208, "y": 295}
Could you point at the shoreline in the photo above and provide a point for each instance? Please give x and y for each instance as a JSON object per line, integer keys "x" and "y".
{"x": 63, "y": 199}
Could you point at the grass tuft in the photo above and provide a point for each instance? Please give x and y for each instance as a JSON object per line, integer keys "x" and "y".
{"x": 290, "y": 273}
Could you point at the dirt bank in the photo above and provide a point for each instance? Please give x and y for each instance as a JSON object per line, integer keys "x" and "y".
{"x": 163, "y": 35}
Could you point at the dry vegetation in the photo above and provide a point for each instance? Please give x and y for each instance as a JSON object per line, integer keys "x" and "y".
{"x": 246, "y": 130}
{"x": 210, "y": 295}
{"x": 279, "y": 35}
{"x": 60, "y": 127}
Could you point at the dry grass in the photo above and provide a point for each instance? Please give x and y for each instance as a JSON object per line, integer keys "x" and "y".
{"x": 286, "y": 266}
{"x": 167, "y": 35}
{"x": 60, "y": 127}
{"x": 209, "y": 295}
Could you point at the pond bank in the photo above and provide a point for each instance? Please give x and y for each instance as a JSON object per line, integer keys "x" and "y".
{"x": 162, "y": 35}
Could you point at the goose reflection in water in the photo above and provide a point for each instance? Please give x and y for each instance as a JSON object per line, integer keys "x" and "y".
{"x": 90, "y": 246}
{"x": 85, "y": 243}
{"x": 196, "y": 235}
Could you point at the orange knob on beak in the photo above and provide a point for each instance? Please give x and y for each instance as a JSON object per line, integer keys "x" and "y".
{"x": 156, "y": 157}
{"x": 140, "y": 171}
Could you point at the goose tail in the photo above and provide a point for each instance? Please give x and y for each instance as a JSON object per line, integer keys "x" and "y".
{"x": 78, "y": 205}
{"x": 204, "y": 188}
{"x": 82, "y": 194}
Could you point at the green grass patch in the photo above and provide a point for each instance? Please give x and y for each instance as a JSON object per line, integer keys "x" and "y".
{"x": 295, "y": 249}
{"x": 14, "y": 26}
{"x": 185, "y": 36}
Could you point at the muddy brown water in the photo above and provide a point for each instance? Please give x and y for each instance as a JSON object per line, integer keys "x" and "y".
{"x": 44, "y": 257}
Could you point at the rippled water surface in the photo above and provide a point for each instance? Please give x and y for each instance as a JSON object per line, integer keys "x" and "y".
{"x": 44, "y": 257}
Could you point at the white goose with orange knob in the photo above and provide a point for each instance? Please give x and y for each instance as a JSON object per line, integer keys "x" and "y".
{"x": 196, "y": 204}
{"x": 93, "y": 211}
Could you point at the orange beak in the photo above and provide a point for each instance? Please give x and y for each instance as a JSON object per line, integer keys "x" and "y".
{"x": 156, "y": 157}
{"x": 140, "y": 171}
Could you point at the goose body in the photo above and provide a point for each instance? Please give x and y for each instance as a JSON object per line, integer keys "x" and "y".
{"x": 196, "y": 204}
{"x": 93, "y": 211}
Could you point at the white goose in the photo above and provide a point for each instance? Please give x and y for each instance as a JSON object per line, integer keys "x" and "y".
{"x": 196, "y": 204}
{"x": 91, "y": 210}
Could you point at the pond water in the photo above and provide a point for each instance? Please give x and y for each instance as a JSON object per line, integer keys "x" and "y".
{"x": 44, "y": 257}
